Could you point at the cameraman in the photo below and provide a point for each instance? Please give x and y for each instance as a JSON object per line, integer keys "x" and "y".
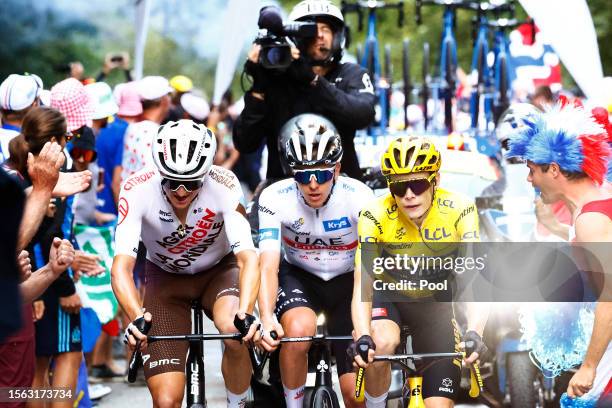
{"x": 315, "y": 82}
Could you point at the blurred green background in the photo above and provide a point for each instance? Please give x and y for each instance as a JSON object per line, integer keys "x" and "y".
{"x": 42, "y": 39}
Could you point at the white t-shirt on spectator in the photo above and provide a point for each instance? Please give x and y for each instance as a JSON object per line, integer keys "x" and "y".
{"x": 137, "y": 147}
{"x": 6, "y": 135}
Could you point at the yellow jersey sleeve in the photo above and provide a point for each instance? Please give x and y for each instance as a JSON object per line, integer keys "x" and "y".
{"x": 467, "y": 225}
{"x": 369, "y": 227}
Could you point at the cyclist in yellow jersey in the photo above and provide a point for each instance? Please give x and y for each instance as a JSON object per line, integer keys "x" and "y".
{"x": 415, "y": 211}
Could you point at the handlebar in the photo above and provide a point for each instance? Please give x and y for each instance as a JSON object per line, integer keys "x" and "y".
{"x": 136, "y": 358}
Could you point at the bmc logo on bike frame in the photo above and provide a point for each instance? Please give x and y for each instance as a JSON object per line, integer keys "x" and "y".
{"x": 437, "y": 234}
{"x": 333, "y": 225}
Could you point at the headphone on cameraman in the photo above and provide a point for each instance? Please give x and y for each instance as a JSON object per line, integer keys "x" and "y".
{"x": 322, "y": 10}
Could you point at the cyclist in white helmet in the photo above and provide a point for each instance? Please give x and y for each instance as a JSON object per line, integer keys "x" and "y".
{"x": 188, "y": 214}
{"x": 314, "y": 215}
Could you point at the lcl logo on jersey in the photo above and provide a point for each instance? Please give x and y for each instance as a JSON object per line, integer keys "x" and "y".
{"x": 333, "y": 225}
{"x": 437, "y": 234}
{"x": 446, "y": 203}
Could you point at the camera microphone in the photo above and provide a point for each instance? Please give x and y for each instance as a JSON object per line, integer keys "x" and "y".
{"x": 270, "y": 19}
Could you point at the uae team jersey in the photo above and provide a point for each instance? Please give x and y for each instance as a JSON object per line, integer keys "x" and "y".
{"x": 212, "y": 229}
{"x": 320, "y": 241}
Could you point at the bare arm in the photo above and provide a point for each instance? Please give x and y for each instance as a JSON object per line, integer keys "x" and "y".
{"x": 124, "y": 287}
{"x": 116, "y": 184}
{"x": 249, "y": 280}
{"x": 60, "y": 258}
{"x": 361, "y": 310}
{"x": 44, "y": 173}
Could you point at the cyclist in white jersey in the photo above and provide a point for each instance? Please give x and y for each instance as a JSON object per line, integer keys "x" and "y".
{"x": 314, "y": 216}
{"x": 189, "y": 217}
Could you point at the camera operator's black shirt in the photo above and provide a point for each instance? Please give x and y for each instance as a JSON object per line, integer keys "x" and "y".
{"x": 345, "y": 96}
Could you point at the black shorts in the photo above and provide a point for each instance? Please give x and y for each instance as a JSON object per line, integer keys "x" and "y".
{"x": 57, "y": 332}
{"x": 298, "y": 288}
{"x": 434, "y": 330}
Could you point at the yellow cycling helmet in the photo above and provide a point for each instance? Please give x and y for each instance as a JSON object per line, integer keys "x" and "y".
{"x": 410, "y": 155}
{"x": 181, "y": 83}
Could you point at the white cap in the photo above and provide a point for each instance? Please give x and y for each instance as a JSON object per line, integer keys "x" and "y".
{"x": 104, "y": 102}
{"x": 17, "y": 92}
{"x": 153, "y": 87}
{"x": 45, "y": 97}
{"x": 195, "y": 106}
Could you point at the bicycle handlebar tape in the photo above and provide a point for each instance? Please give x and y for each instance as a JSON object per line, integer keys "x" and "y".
{"x": 476, "y": 385}
{"x": 244, "y": 325}
{"x": 136, "y": 360}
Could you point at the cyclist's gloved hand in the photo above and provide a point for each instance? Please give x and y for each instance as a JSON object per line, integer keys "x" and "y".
{"x": 301, "y": 71}
{"x": 137, "y": 330}
{"x": 246, "y": 324}
{"x": 473, "y": 343}
{"x": 359, "y": 350}
{"x": 261, "y": 77}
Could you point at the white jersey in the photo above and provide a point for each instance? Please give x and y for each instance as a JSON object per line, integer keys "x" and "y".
{"x": 137, "y": 150}
{"x": 212, "y": 229}
{"x": 320, "y": 241}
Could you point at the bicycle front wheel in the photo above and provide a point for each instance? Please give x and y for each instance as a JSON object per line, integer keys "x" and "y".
{"x": 324, "y": 397}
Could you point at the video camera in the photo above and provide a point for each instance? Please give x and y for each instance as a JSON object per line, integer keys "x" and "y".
{"x": 275, "y": 41}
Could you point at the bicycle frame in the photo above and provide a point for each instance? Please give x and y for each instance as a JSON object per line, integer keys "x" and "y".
{"x": 370, "y": 59}
{"x": 194, "y": 365}
{"x": 480, "y": 76}
{"x": 503, "y": 71}
{"x": 448, "y": 65}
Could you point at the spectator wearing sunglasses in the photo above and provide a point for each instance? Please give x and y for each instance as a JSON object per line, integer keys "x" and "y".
{"x": 416, "y": 211}
{"x": 314, "y": 216}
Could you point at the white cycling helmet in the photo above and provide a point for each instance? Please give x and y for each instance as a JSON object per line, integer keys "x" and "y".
{"x": 311, "y": 10}
{"x": 309, "y": 140}
{"x": 184, "y": 150}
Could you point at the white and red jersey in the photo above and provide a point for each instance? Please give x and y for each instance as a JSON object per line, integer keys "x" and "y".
{"x": 320, "y": 241}
{"x": 212, "y": 229}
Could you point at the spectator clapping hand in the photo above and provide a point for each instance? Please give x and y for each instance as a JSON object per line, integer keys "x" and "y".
{"x": 87, "y": 264}
{"x": 61, "y": 255}
{"x": 72, "y": 183}
{"x": 44, "y": 169}
{"x": 25, "y": 267}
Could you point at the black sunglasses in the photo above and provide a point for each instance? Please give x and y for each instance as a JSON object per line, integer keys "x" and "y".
{"x": 417, "y": 186}
{"x": 189, "y": 185}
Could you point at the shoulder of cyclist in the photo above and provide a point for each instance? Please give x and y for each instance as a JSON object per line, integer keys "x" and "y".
{"x": 372, "y": 218}
{"x": 463, "y": 211}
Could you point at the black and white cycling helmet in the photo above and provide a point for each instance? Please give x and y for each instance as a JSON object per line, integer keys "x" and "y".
{"x": 184, "y": 150}
{"x": 512, "y": 121}
{"x": 324, "y": 10}
{"x": 309, "y": 140}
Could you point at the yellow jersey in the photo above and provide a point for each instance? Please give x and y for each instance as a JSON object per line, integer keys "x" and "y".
{"x": 452, "y": 218}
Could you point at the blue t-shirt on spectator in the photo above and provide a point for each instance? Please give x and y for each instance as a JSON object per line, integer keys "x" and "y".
{"x": 109, "y": 145}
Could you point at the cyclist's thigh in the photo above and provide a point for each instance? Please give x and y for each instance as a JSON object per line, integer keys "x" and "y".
{"x": 434, "y": 330}
{"x": 223, "y": 280}
{"x": 296, "y": 288}
{"x": 168, "y": 298}
{"x": 337, "y": 308}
